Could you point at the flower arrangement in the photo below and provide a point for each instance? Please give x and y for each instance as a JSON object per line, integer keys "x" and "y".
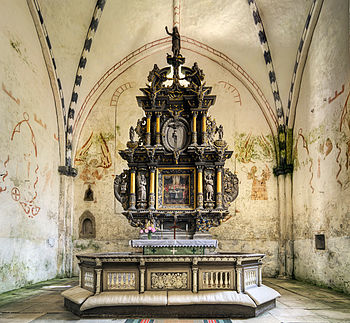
{"x": 149, "y": 229}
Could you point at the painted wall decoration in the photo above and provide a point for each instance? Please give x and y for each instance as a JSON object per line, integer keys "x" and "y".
{"x": 336, "y": 94}
{"x": 250, "y": 148}
{"x": 259, "y": 191}
{"x": 118, "y": 92}
{"x": 26, "y": 169}
{"x": 3, "y": 174}
{"x": 343, "y": 147}
{"x": 9, "y": 93}
{"x": 233, "y": 90}
{"x": 309, "y": 160}
{"x": 94, "y": 157}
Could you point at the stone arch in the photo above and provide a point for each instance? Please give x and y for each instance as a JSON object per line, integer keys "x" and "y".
{"x": 87, "y": 225}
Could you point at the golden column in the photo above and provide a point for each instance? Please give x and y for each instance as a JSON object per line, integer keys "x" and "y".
{"x": 204, "y": 128}
{"x": 219, "y": 187}
{"x": 157, "y": 128}
{"x": 199, "y": 187}
{"x": 148, "y": 128}
{"x": 194, "y": 128}
{"x": 132, "y": 203}
{"x": 151, "y": 196}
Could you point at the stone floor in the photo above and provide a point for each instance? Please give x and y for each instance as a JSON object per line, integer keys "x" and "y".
{"x": 300, "y": 302}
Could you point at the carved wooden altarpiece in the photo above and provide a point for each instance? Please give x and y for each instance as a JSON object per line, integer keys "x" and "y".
{"x": 176, "y": 165}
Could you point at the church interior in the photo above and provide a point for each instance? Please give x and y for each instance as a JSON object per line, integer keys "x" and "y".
{"x": 96, "y": 156}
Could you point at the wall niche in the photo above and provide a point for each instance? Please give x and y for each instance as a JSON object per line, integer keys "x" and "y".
{"x": 87, "y": 226}
{"x": 89, "y": 194}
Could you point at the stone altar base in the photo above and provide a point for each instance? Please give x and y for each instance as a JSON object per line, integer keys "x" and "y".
{"x": 172, "y": 311}
{"x": 179, "y": 286}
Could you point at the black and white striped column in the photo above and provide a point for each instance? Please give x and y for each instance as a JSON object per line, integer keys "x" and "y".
{"x": 79, "y": 77}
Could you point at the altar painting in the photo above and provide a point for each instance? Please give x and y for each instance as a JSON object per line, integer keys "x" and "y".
{"x": 175, "y": 188}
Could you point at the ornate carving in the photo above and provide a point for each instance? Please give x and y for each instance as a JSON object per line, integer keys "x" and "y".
{"x": 176, "y": 115}
{"x": 211, "y": 129}
{"x": 173, "y": 280}
{"x": 209, "y": 188}
{"x": 141, "y": 130}
{"x": 230, "y": 187}
{"x": 132, "y": 134}
{"x": 220, "y": 130}
{"x": 141, "y": 190}
{"x": 204, "y": 223}
{"x": 175, "y": 134}
{"x": 194, "y": 75}
{"x": 121, "y": 183}
{"x": 89, "y": 280}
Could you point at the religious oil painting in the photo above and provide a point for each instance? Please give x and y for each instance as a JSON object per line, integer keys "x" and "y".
{"x": 176, "y": 188}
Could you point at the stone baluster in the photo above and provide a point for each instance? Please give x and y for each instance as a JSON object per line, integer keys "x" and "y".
{"x": 219, "y": 187}
{"x": 195, "y": 275}
{"x": 151, "y": 196}
{"x": 80, "y": 274}
{"x": 260, "y": 273}
{"x": 199, "y": 187}
{"x": 148, "y": 128}
{"x": 142, "y": 269}
{"x": 98, "y": 271}
{"x": 239, "y": 279}
{"x": 132, "y": 201}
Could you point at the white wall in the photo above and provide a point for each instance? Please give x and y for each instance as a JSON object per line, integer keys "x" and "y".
{"x": 29, "y": 155}
{"x": 321, "y": 180}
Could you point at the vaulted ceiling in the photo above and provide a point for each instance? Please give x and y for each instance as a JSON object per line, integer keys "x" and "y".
{"x": 96, "y": 35}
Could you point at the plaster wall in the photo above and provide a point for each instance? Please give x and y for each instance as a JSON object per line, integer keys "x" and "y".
{"x": 321, "y": 179}
{"x": 29, "y": 156}
{"x": 253, "y": 222}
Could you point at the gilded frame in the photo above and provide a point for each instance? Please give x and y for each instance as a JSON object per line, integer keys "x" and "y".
{"x": 176, "y": 188}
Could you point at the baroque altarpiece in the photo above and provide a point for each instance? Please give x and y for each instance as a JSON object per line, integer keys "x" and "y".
{"x": 176, "y": 172}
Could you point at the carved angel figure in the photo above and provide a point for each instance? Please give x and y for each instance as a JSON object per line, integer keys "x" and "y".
{"x": 220, "y": 131}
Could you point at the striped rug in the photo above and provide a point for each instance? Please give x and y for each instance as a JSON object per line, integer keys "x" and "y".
{"x": 177, "y": 321}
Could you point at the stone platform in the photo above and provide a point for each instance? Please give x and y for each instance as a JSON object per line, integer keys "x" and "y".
{"x": 135, "y": 285}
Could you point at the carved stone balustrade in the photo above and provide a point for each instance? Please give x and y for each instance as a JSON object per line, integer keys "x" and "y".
{"x": 110, "y": 282}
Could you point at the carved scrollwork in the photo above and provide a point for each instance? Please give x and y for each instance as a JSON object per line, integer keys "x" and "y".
{"x": 193, "y": 75}
{"x": 204, "y": 223}
{"x": 141, "y": 130}
{"x": 176, "y": 280}
{"x": 121, "y": 188}
{"x": 230, "y": 187}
